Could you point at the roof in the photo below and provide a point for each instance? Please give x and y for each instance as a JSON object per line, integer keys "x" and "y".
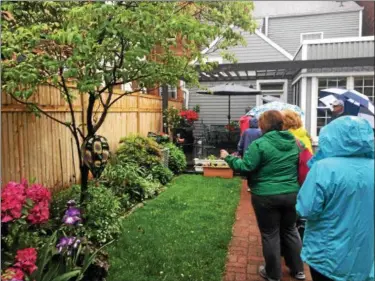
{"x": 295, "y": 8}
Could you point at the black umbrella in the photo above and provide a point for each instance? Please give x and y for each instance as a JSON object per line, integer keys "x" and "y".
{"x": 229, "y": 90}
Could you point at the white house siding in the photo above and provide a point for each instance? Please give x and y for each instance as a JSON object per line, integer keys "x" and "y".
{"x": 286, "y": 31}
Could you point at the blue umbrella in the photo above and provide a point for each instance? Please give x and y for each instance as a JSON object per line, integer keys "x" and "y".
{"x": 356, "y": 104}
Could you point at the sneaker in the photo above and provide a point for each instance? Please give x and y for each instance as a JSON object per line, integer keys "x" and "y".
{"x": 299, "y": 276}
{"x": 263, "y": 273}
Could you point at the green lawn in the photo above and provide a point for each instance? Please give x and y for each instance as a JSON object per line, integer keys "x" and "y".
{"x": 183, "y": 234}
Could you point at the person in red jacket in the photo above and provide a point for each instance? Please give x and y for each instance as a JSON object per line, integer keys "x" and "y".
{"x": 245, "y": 121}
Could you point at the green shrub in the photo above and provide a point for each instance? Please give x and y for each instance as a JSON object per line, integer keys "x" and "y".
{"x": 102, "y": 214}
{"x": 177, "y": 160}
{"x": 141, "y": 150}
{"x": 163, "y": 174}
{"x": 129, "y": 182}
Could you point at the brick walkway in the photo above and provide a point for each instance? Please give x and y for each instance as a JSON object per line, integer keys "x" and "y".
{"x": 245, "y": 250}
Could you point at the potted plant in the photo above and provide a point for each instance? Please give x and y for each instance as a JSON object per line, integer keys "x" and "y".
{"x": 217, "y": 168}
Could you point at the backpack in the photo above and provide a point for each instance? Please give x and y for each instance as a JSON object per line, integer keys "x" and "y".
{"x": 304, "y": 157}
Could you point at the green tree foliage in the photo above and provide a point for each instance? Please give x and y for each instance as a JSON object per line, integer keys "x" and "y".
{"x": 99, "y": 45}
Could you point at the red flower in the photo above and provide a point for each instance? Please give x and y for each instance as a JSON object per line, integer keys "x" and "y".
{"x": 13, "y": 273}
{"x": 38, "y": 193}
{"x": 39, "y": 213}
{"x": 189, "y": 115}
{"x": 13, "y": 197}
{"x": 26, "y": 259}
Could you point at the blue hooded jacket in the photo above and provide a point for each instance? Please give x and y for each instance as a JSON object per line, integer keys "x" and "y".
{"x": 249, "y": 136}
{"x": 337, "y": 199}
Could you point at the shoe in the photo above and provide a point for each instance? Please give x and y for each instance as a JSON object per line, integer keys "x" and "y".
{"x": 248, "y": 189}
{"x": 299, "y": 276}
{"x": 263, "y": 273}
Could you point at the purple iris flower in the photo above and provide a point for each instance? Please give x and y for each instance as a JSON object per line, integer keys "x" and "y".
{"x": 71, "y": 203}
{"x": 72, "y": 216}
{"x": 68, "y": 243}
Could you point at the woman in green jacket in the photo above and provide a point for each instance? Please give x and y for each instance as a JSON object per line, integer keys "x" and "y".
{"x": 271, "y": 163}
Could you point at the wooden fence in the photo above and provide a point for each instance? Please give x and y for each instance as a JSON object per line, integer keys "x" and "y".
{"x": 40, "y": 148}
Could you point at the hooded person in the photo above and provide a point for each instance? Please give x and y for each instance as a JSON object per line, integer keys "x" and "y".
{"x": 337, "y": 199}
{"x": 249, "y": 136}
{"x": 293, "y": 123}
{"x": 271, "y": 165}
{"x": 244, "y": 121}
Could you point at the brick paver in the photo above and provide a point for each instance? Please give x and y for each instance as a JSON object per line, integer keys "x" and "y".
{"x": 245, "y": 250}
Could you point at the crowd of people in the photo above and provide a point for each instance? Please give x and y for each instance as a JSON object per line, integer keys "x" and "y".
{"x": 336, "y": 200}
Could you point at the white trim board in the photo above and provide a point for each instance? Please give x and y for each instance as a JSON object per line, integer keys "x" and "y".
{"x": 333, "y": 74}
{"x": 360, "y": 23}
{"x": 339, "y": 40}
{"x": 274, "y": 45}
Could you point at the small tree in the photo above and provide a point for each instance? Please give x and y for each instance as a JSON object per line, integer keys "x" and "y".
{"x": 100, "y": 45}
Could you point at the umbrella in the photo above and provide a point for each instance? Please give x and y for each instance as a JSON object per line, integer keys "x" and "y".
{"x": 229, "y": 90}
{"x": 275, "y": 105}
{"x": 356, "y": 104}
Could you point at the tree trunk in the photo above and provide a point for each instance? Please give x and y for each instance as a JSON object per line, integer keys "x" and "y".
{"x": 84, "y": 184}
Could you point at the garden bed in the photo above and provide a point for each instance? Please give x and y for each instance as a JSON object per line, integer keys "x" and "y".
{"x": 183, "y": 234}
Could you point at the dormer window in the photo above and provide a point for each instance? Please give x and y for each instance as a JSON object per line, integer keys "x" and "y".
{"x": 311, "y": 36}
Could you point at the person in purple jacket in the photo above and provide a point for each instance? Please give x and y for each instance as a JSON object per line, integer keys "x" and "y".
{"x": 249, "y": 136}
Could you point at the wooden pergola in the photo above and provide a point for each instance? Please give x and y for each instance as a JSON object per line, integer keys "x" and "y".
{"x": 276, "y": 70}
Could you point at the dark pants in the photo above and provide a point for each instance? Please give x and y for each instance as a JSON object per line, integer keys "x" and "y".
{"x": 316, "y": 276}
{"x": 276, "y": 217}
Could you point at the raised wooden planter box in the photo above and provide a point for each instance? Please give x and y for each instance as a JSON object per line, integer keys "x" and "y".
{"x": 226, "y": 173}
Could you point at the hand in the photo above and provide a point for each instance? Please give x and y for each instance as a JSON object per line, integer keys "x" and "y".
{"x": 223, "y": 153}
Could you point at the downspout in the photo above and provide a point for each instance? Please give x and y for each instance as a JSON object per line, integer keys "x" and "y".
{"x": 266, "y": 26}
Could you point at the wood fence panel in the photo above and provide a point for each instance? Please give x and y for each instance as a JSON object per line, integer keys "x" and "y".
{"x": 40, "y": 148}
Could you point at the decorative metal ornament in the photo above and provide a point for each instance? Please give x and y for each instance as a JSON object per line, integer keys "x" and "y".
{"x": 95, "y": 151}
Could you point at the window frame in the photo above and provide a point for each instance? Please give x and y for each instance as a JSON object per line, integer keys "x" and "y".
{"x": 310, "y": 33}
{"x": 284, "y": 96}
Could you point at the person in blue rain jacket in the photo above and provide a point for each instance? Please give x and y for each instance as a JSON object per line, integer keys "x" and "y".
{"x": 337, "y": 199}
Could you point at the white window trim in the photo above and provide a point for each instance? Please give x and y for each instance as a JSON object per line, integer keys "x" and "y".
{"x": 314, "y": 108}
{"x": 303, "y": 97}
{"x": 310, "y": 33}
{"x": 284, "y": 97}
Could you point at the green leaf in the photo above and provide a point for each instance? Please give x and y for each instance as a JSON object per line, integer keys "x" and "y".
{"x": 67, "y": 276}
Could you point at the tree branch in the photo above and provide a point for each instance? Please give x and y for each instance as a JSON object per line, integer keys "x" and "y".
{"x": 40, "y": 110}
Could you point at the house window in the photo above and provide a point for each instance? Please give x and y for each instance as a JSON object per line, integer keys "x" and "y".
{"x": 272, "y": 90}
{"x": 172, "y": 92}
{"x": 297, "y": 94}
{"x": 324, "y": 112}
{"x": 311, "y": 36}
{"x": 365, "y": 85}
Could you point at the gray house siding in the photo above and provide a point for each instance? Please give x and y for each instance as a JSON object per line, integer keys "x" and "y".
{"x": 286, "y": 31}
{"x": 257, "y": 50}
{"x": 340, "y": 50}
{"x": 214, "y": 109}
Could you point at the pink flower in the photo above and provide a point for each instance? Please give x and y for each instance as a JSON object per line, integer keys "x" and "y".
{"x": 13, "y": 273}
{"x": 13, "y": 197}
{"x": 39, "y": 213}
{"x": 38, "y": 192}
{"x": 26, "y": 259}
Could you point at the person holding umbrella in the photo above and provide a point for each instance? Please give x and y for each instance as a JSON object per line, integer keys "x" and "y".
{"x": 338, "y": 109}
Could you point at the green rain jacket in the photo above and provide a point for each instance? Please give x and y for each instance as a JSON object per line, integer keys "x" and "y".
{"x": 271, "y": 163}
